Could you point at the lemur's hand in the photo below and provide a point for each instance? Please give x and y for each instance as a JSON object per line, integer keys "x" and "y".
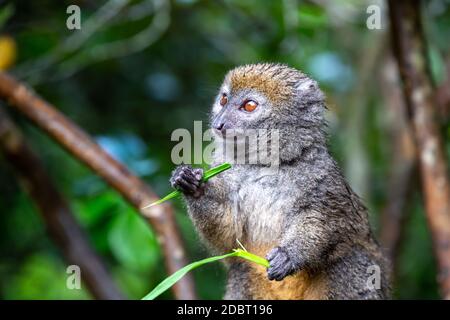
{"x": 280, "y": 265}
{"x": 188, "y": 180}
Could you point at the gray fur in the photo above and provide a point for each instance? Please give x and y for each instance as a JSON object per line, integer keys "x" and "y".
{"x": 306, "y": 213}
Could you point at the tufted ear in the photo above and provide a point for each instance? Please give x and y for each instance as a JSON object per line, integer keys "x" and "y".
{"x": 306, "y": 85}
{"x": 308, "y": 91}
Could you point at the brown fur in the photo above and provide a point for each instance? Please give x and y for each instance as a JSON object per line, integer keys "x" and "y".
{"x": 274, "y": 83}
{"x": 300, "y": 286}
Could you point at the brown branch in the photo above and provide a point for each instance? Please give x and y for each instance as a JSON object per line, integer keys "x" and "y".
{"x": 443, "y": 93}
{"x": 59, "y": 220}
{"x": 401, "y": 179}
{"x": 77, "y": 142}
{"x": 410, "y": 51}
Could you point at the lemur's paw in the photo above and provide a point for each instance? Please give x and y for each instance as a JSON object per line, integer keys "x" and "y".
{"x": 188, "y": 180}
{"x": 280, "y": 265}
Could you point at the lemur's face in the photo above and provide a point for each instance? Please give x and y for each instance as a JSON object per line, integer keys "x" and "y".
{"x": 264, "y": 96}
{"x": 242, "y": 109}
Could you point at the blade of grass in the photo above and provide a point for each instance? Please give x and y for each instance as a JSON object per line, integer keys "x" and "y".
{"x": 208, "y": 175}
{"x": 171, "y": 280}
{"x": 251, "y": 257}
{"x": 171, "y": 195}
{"x": 216, "y": 170}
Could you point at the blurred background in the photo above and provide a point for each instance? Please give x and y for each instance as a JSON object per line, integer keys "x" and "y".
{"x": 137, "y": 70}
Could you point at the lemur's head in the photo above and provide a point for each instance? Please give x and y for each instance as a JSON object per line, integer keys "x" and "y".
{"x": 268, "y": 96}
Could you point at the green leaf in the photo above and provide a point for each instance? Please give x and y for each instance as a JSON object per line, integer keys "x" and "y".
{"x": 171, "y": 280}
{"x": 216, "y": 170}
{"x": 312, "y": 16}
{"x": 171, "y": 195}
{"x": 41, "y": 276}
{"x": 5, "y": 13}
{"x": 132, "y": 243}
{"x": 208, "y": 175}
{"x": 251, "y": 257}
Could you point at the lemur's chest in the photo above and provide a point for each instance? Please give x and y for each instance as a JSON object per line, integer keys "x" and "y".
{"x": 259, "y": 208}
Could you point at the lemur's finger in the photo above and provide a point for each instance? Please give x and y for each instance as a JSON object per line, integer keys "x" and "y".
{"x": 280, "y": 276}
{"x": 273, "y": 274}
{"x": 280, "y": 264}
{"x": 198, "y": 173}
{"x": 173, "y": 183}
{"x": 277, "y": 273}
{"x": 272, "y": 253}
{"x": 186, "y": 186}
{"x": 189, "y": 176}
{"x": 175, "y": 174}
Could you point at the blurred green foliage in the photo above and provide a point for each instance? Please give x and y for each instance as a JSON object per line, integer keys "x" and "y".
{"x": 132, "y": 103}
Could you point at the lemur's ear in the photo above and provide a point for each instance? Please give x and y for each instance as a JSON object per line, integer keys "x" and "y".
{"x": 308, "y": 89}
{"x": 307, "y": 85}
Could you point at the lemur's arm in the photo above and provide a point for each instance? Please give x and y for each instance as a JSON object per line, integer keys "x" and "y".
{"x": 306, "y": 244}
{"x": 208, "y": 206}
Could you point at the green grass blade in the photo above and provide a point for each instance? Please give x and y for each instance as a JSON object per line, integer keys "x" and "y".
{"x": 208, "y": 175}
{"x": 170, "y": 281}
{"x": 171, "y": 195}
{"x": 216, "y": 170}
{"x": 252, "y": 257}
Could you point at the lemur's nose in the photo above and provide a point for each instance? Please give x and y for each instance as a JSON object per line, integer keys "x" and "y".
{"x": 218, "y": 126}
{"x": 220, "y": 120}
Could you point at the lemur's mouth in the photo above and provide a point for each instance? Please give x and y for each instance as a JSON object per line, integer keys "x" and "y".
{"x": 220, "y": 127}
{"x": 222, "y": 132}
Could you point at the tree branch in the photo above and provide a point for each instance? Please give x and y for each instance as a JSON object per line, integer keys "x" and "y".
{"x": 410, "y": 51}
{"x": 402, "y": 175}
{"x": 443, "y": 93}
{"x": 59, "y": 220}
{"x": 138, "y": 194}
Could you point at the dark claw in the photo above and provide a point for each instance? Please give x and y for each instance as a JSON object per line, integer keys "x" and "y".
{"x": 187, "y": 180}
{"x": 185, "y": 185}
{"x": 280, "y": 265}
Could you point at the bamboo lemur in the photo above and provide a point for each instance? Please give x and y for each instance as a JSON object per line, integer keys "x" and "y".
{"x": 307, "y": 221}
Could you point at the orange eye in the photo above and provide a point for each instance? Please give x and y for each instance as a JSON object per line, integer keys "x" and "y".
{"x": 249, "y": 105}
{"x": 223, "y": 100}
